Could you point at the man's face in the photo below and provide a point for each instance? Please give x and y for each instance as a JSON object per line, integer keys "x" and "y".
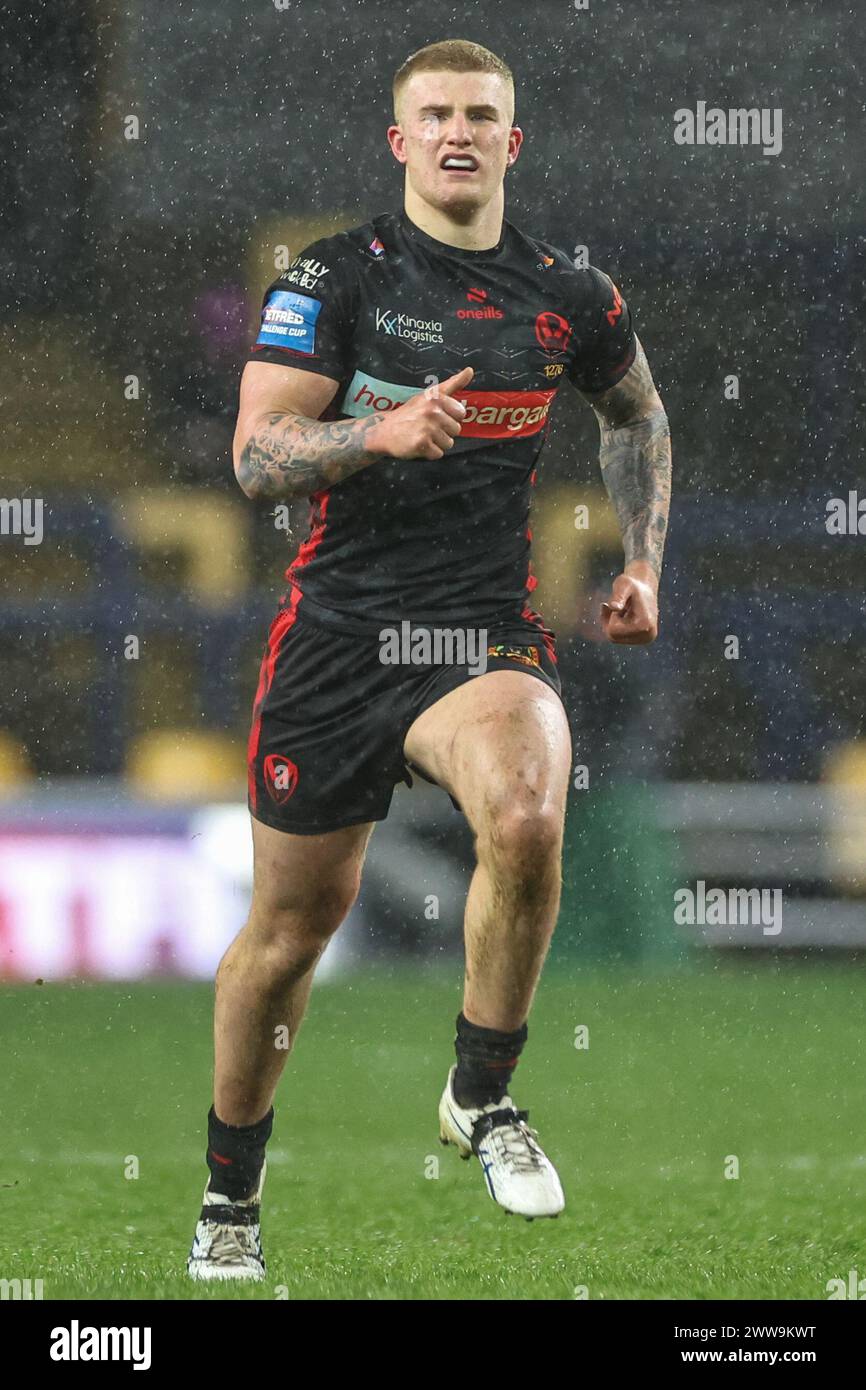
{"x": 455, "y": 137}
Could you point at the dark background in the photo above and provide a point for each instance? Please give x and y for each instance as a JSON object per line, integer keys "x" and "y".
{"x": 137, "y": 256}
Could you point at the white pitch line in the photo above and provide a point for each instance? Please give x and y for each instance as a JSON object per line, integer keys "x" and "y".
{"x": 76, "y": 1158}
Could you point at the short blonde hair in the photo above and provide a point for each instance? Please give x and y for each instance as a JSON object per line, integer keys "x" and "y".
{"x": 452, "y": 55}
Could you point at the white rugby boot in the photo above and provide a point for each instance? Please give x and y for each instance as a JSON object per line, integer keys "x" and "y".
{"x": 228, "y": 1241}
{"x": 518, "y": 1173}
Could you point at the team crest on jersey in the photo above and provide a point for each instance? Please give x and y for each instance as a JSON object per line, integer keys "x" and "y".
{"x": 552, "y": 331}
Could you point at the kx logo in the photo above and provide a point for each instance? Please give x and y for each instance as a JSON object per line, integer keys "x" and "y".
{"x": 411, "y": 329}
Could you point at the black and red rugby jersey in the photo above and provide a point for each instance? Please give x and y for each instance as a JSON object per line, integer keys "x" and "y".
{"x": 385, "y": 310}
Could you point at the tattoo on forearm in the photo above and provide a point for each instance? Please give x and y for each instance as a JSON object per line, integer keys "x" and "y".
{"x": 635, "y": 459}
{"x": 293, "y": 456}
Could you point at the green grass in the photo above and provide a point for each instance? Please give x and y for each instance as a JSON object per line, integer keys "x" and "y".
{"x": 682, "y": 1070}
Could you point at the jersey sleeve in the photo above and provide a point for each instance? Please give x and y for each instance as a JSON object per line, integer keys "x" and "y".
{"x": 307, "y": 313}
{"x": 604, "y": 337}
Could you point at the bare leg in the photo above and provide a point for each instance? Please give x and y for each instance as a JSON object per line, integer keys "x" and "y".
{"x": 303, "y": 888}
{"x": 501, "y": 745}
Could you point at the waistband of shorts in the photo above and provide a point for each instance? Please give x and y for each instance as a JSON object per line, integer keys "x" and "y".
{"x": 320, "y": 616}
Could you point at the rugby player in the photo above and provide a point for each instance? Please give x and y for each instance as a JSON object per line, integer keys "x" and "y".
{"x": 402, "y": 380}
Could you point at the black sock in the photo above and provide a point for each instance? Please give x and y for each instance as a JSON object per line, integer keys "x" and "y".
{"x": 486, "y": 1060}
{"x": 235, "y": 1154}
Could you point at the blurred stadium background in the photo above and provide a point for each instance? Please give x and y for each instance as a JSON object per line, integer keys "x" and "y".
{"x": 133, "y": 261}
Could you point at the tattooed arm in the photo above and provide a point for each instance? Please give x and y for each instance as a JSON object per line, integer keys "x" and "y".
{"x": 635, "y": 459}
{"x": 291, "y": 455}
{"x": 282, "y": 449}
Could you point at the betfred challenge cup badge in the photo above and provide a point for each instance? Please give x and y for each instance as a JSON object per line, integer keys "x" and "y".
{"x": 553, "y": 332}
{"x": 281, "y": 777}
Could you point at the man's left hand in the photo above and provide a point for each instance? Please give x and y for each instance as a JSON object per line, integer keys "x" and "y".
{"x": 631, "y": 614}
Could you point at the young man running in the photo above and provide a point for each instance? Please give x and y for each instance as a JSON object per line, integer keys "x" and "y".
{"x": 402, "y": 380}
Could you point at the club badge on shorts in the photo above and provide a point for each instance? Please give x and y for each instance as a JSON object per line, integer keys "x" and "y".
{"x": 281, "y": 777}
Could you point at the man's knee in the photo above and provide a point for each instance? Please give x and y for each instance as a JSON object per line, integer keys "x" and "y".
{"x": 521, "y": 836}
{"x": 292, "y": 920}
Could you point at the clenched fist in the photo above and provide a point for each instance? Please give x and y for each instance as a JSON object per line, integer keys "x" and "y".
{"x": 631, "y": 614}
{"x": 424, "y": 427}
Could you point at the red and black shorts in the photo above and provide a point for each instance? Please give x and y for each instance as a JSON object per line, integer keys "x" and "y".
{"x": 330, "y": 716}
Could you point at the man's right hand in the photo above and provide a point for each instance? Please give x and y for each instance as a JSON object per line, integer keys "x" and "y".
{"x": 424, "y": 427}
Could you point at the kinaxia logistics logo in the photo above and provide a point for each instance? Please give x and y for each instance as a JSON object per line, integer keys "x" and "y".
{"x": 410, "y": 329}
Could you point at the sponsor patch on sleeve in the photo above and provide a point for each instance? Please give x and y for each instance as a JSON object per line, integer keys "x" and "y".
{"x": 289, "y": 321}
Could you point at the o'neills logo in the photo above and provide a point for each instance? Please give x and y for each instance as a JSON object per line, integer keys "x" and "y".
{"x": 486, "y": 311}
{"x": 489, "y": 414}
